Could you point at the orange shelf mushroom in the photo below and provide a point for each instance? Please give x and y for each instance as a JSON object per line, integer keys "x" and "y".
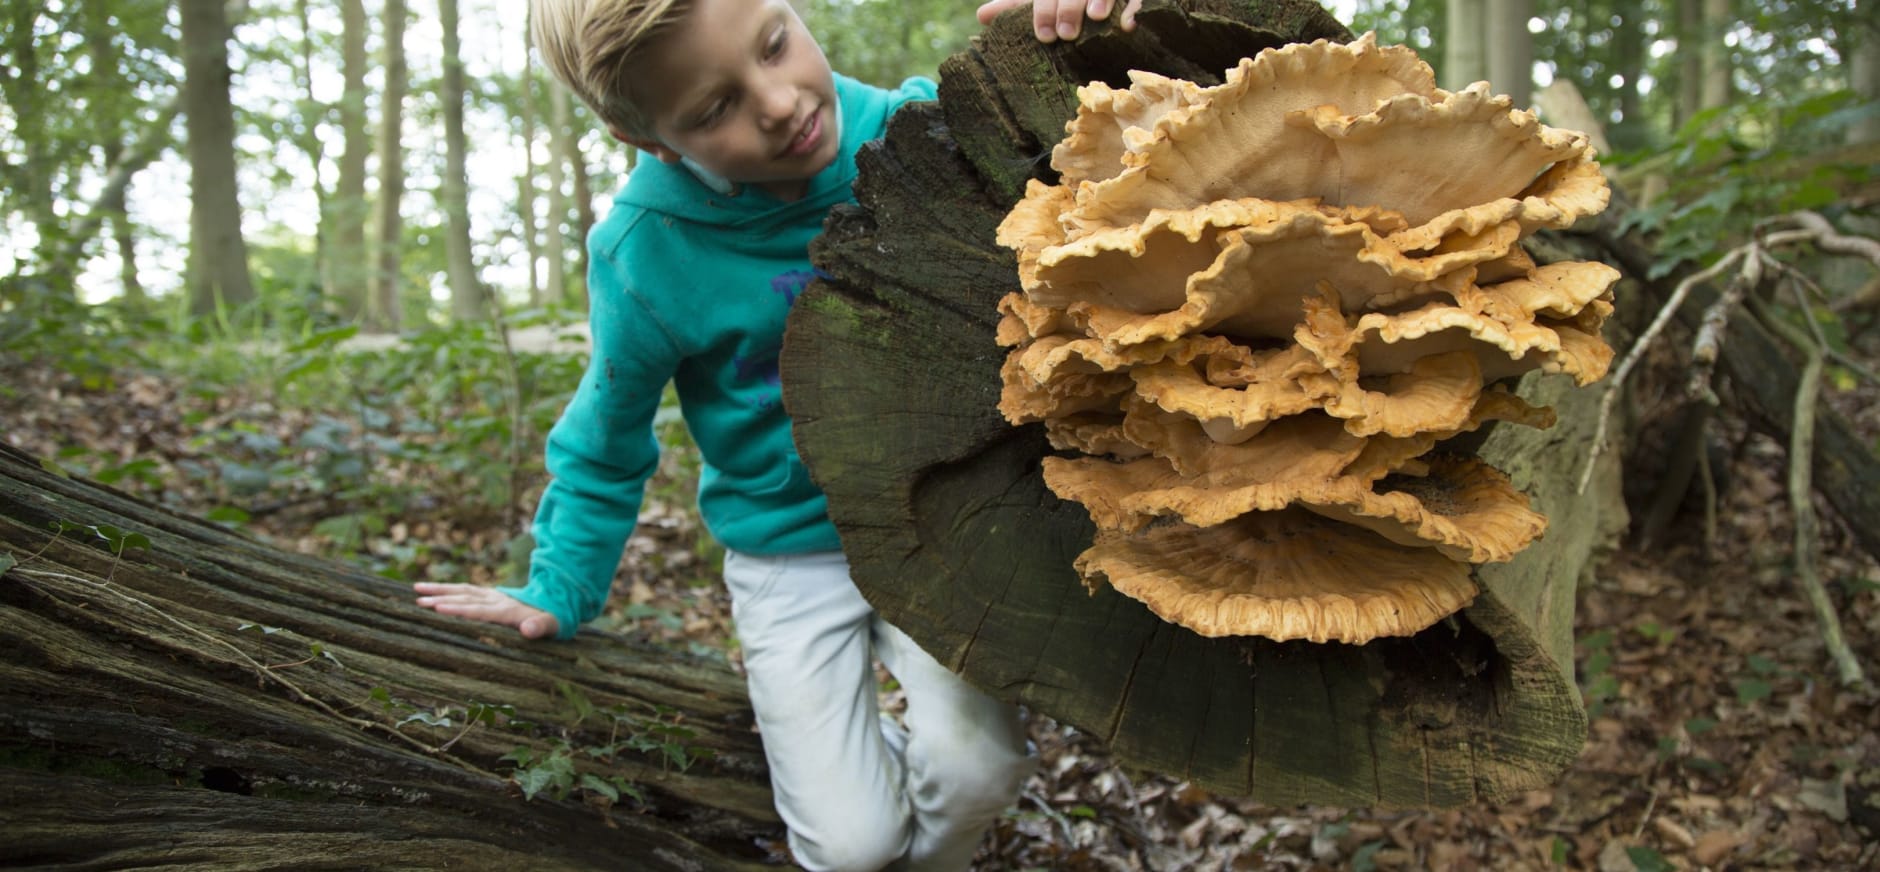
{"x": 1250, "y": 315}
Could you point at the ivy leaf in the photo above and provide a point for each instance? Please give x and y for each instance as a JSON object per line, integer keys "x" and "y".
{"x": 593, "y": 782}
{"x": 228, "y": 515}
{"x": 321, "y": 339}
{"x": 1750, "y": 690}
{"x": 1647, "y": 860}
{"x": 576, "y": 700}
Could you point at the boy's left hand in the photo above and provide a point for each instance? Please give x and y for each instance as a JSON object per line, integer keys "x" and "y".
{"x": 1053, "y": 20}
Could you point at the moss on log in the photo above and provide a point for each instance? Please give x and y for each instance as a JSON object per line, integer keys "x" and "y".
{"x": 892, "y": 374}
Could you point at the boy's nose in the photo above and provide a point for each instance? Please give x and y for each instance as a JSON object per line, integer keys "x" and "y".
{"x": 778, "y": 104}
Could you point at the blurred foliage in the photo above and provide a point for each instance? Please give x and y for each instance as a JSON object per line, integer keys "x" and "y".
{"x": 882, "y": 42}
{"x": 1740, "y": 164}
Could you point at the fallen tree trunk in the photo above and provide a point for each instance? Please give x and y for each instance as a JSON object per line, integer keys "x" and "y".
{"x": 211, "y": 701}
{"x": 892, "y": 374}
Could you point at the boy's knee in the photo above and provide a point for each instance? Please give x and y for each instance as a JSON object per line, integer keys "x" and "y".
{"x": 858, "y": 843}
{"x": 975, "y": 775}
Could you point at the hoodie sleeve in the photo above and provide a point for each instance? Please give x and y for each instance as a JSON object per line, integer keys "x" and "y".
{"x": 599, "y": 454}
{"x": 912, "y": 89}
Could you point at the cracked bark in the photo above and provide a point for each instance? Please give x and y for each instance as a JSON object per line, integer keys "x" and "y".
{"x": 170, "y": 706}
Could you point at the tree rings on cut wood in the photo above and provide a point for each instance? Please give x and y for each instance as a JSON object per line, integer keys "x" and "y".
{"x": 892, "y": 371}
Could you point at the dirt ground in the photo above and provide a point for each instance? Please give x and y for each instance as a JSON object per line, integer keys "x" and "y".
{"x": 1719, "y": 738}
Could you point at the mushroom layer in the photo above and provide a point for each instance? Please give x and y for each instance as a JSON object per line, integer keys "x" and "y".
{"x": 1251, "y": 314}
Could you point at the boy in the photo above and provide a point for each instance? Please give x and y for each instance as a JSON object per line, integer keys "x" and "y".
{"x": 694, "y": 271}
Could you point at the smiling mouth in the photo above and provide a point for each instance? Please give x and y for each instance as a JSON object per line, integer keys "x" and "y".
{"x": 807, "y": 138}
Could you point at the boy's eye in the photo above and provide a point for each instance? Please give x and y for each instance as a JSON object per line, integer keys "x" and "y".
{"x": 777, "y": 42}
{"x": 712, "y": 113}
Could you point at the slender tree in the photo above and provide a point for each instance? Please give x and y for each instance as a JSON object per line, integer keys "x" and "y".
{"x": 306, "y": 136}
{"x": 583, "y": 196}
{"x": 561, "y": 119}
{"x": 525, "y": 180}
{"x": 1628, "y": 62}
{"x": 1465, "y": 59}
{"x": 107, "y": 75}
{"x": 1716, "y": 54}
{"x": 346, "y": 276}
{"x": 218, "y": 255}
{"x": 1511, "y": 49}
{"x": 466, "y": 291}
{"x": 1690, "y": 63}
{"x": 30, "y": 185}
{"x": 382, "y": 310}
{"x": 1861, "y": 46}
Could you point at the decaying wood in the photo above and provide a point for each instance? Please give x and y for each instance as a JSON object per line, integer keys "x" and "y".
{"x": 892, "y": 375}
{"x": 208, "y": 700}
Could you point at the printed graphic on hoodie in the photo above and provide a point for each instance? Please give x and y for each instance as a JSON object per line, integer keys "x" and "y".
{"x": 763, "y": 365}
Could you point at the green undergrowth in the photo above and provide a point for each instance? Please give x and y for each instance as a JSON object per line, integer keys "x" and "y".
{"x": 417, "y": 457}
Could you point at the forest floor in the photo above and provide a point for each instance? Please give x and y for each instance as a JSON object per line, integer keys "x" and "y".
{"x": 1718, "y": 736}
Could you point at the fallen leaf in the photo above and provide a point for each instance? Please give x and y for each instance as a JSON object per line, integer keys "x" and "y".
{"x": 1674, "y": 832}
{"x": 1713, "y": 846}
{"x": 1828, "y": 796}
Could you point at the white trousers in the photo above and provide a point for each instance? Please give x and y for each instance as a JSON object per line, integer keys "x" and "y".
{"x": 856, "y": 792}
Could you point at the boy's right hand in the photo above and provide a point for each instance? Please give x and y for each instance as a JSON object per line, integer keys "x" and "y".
{"x": 1053, "y": 20}
{"x": 486, "y": 604}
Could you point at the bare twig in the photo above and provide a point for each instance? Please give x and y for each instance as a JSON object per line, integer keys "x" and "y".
{"x": 1651, "y": 804}
{"x": 1838, "y": 357}
{"x": 1617, "y": 382}
{"x": 1756, "y": 247}
{"x": 1716, "y": 318}
{"x": 1829, "y": 240}
{"x": 1801, "y": 496}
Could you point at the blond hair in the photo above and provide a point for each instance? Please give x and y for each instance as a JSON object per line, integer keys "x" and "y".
{"x": 589, "y": 45}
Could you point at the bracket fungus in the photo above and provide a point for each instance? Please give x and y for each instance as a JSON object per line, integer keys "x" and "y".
{"x": 1252, "y": 313}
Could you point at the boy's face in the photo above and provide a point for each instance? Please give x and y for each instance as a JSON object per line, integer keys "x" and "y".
{"x": 741, "y": 88}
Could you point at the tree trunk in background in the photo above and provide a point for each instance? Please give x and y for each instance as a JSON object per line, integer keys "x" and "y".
{"x": 583, "y": 192}
{"x": 1716, "y": 55}
{"x": 525, "y": 182}
{"x": 1628, "y": 60}
{"x": 891, "y": 374}
{"x": 307, "y": 137}
{"x": 349, "y": 269}
{"x": 555, "y": 246}
{"x": 123, "y": 233}
{"x": 1511, "y": 50}
{"x": 25, "y": 96}
{"x": 383, "y": 306}
{"x": 218, "y": 255}
{"x": 1690, "y": 64}
{"x": 211, "y": 702}
{"x": 466, "y": 290}
{"x": 1465, "y": 55}
{"x": 1862, "y": 47}
{"x": 112, "y": 203}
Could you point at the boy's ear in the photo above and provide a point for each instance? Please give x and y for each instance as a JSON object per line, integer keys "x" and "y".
{"x": 646, "y": 144}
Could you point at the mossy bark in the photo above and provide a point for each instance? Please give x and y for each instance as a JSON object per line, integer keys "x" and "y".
{"x": 212, "y": 701}
{"x": 892, "y": 374}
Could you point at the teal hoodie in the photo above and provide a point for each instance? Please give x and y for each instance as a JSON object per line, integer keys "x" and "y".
{"x": 691, "y": 286}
